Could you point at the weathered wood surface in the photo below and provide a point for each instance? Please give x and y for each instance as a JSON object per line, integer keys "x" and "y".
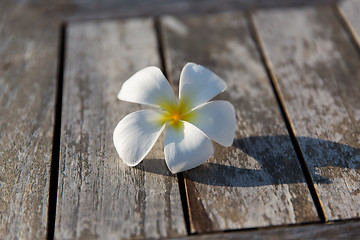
{"x": 258, "y": 181}
{"x": 318, "y": 72}
{"x": 101, "y": 198}
{"x": 350, "y": 10}
{"x": 332, "y": 231}
{"x": 28, "y": 61}
{"x": 92, "y": 9}
{"x": 98, "y": 195}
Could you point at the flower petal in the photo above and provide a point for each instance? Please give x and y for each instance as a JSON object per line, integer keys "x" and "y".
{"x": 186, "y": 147}
{"x": 198, "y": 85}
{"x": 216, "y": 119}
{"x": 148, "y": 86}
{"x": 135, "y": 135}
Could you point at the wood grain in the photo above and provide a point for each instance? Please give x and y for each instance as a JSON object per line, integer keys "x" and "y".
{"x": 317, "y": 69}
{"x": 99, "y": 197}
{"x": 28, "y": 61}
{"x": 349, "y": 10}
{"x": 257, "y": 181}
{"x": 332, "y": 231}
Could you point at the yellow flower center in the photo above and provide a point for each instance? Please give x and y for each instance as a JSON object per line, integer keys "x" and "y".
{"x": 174, "y": 113}
{"x": 176, "y": 116}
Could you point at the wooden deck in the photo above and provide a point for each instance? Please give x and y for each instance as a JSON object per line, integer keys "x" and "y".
{"x": 293, "y": 76}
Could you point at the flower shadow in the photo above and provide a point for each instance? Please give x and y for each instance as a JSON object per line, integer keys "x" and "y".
{"x": 154, "y": 165}
{"x": 268, "y": 160}
{"x": 278, "y": 163}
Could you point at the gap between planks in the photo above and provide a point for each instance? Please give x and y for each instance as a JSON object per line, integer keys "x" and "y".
{"x": 55, "y": 157}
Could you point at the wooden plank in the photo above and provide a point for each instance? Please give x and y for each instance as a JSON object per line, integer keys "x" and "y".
{"x": 28, "y": 62}
{"x": 317, "y": 70}
{"x": 332, "y": 231}
{"x": 98, "y": 195}
{"x": 256, "y": 182}
{"x": 92, "y": 9}
{"x": 349, "y": 10}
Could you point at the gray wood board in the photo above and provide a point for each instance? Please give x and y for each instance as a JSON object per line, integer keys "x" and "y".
{"x": 98, "y": 195}
{"x": 257, "y": 181}
{"x": 329, "y": 231}
{"x": 92, "y": 9}
{"x": 28, "y": 62}
{"x": 350, "y": 10}
{"x": 318, "y": 72}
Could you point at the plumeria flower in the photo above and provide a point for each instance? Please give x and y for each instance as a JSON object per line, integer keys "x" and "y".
{"x": 191, "y": 122}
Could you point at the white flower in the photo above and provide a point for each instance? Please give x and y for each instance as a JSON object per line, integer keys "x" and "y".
{"x": 189, "y": 122}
